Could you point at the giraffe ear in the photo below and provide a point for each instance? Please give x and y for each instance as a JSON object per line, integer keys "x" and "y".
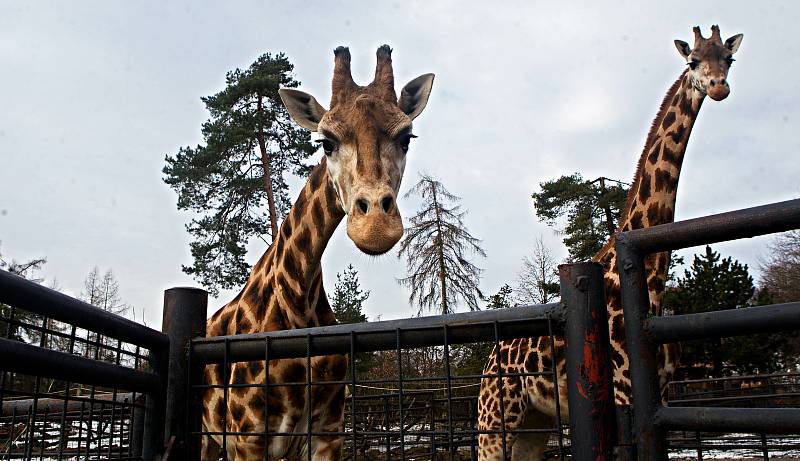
{"x": 683, "y": 48}
{"x": 302, "y": 107}
{"x": 734, "y": 42}
{"x": 414, "y": 96}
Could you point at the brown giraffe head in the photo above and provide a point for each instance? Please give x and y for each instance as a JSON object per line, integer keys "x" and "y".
{"x": 709, "y": 61}
{"x": 365, "y": 136}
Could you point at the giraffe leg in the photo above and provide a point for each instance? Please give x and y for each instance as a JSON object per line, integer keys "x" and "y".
{"x": 530, "y": 446}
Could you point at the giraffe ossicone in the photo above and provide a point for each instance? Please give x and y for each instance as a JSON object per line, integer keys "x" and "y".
{"x": 529, "y": 401}
{"x": 365, "y": 137}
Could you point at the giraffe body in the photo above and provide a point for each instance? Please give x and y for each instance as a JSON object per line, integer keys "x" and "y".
{"x": 529, "y": 402}
{"x": 365, "y": 136}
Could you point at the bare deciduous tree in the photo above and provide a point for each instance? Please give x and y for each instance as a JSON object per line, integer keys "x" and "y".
{"x": 781, "y": 270}
{"x": 537, "y": 280}
{"x": 436, "y": 248}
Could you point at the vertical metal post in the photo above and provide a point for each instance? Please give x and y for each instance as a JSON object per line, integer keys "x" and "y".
{"x": 650, "y": 438}
{"x": 590, "y": 389}
{"x": 184, "y": 318}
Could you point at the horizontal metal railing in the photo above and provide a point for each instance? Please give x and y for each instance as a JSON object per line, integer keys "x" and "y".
{"x": 645, "y": 333}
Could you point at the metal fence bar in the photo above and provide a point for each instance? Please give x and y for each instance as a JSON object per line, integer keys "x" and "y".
{"x": 768, "y": 420}
{"x": 590, "y": 389}
{"x": 726, "y": 323}
{"x": 748, "y": 222}
{"x": 32, "y": 360}
{"x": 24, "y": 294}
{"x": 468, "y": 327}
{"x": 184, "y": 318}
{"x": 650, "y": 438}
{"x": 644, "y": 333}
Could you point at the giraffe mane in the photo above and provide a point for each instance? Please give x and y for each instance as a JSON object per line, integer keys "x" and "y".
{"x": 662, "y": 112}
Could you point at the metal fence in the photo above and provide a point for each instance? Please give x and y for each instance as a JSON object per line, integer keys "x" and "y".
{"x": 416, "y": 403}
{"x": 651, "y": 420}
{"x": 77, "y": 382}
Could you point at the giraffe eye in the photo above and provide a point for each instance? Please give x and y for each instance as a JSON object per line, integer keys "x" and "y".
{"x": 404, "y": 140}
{"x": 327, "y": 145}
{"x": 693, "y": 64}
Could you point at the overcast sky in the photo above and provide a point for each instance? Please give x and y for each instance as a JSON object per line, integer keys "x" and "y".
{"x": 95, "y": 94}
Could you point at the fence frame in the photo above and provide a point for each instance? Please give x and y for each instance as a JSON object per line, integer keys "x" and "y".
{"x": 644, "y": 332}
{"x": 163, "y": 418}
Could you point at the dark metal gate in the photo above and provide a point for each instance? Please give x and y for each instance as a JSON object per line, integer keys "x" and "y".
{"x": 645, "y": 333}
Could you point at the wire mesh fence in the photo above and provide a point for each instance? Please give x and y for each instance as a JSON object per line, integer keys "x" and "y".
{"x": 50, "y": 418}
{"x": 410, "y": 394}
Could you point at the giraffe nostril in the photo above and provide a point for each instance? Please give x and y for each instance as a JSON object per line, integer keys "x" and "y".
{"x": 386, "y": 203}
{"x": 713, "y": 82}
{"x": 723, "y": 82}
{"x": 362, "y": 205}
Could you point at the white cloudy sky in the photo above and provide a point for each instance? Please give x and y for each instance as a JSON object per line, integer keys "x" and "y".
{"x": 94, "y": 94}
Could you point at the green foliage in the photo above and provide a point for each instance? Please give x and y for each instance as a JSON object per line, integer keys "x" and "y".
{"x": 502, "y": 299}
{"x": 470, "y": 358}
{"x": 227, "y": 183}
{"x": 711, "y": 284}
{"x": 592, "y": 210}
{"x": 347, "y": 300}
{"x": 436, "y": 247}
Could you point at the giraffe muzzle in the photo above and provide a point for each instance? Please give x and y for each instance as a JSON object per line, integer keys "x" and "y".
{"x": 718, "y": 89}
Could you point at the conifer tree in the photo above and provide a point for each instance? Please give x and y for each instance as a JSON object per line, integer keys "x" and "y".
{"x": 235, "y": 181}
{"x": 436, "y": 248}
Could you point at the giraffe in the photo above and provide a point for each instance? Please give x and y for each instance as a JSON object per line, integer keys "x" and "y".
{"x": 365, "y": 137}
{"x": 529, "y": 402}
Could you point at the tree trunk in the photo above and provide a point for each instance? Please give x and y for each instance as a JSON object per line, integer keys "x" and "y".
{"x": 440, "y": 253}
{"x": 610, "y": 227}
{"x": 273, "y": 219}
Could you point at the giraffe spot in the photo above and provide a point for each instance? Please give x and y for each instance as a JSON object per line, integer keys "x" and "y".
{"x": 302, "y": 242}
{"x": 669, "y": 119}
{"x": 617, "y": 329}
{"x": 653, "y": 214}
{"x": 636, "y": 220}
{"x": 315, "y": 179}
{"x": 290, "y": 264}
{"x": 617, "y": 358}
{"x": 254, "y": 368}
{"x": 644, "y": 188}
{"x": 221, "y": 410}
{"x": 299, "y": 207}
{"x": 654, "y": 151}
{"x": 243, "y": 325}
{"x": 246, "y": 426}
{"x": 664, "y": 181}
{"x": 286, "y": 230}
{"x": 672, "y": 157}
{"x": 237, "y": 411}
{"x": 677, "y": 135}
{"x": 291, "y": 296}
{"x": 239, "y": 375}
{"x": 317, "y": 215}
{"x": 277, "y": 320}
{"x": 279, "y": 247}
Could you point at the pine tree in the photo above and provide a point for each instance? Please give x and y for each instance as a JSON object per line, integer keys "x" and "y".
{"x": 713, "y": 283}
{"x": 592, "y": 210}
{"x": 347, "y": 300}
{"x": 436, "y": 247}
{"x": 502, "y": 299}
{"x": 250, "y": 144}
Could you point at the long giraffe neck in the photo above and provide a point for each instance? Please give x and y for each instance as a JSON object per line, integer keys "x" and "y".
{"x": 651, "y": 199}
{"x": 284, "y": 290}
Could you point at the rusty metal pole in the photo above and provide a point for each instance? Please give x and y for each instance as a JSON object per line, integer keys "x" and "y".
{"x": 184, "y": 318}
{"x": 592, "y": 418}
